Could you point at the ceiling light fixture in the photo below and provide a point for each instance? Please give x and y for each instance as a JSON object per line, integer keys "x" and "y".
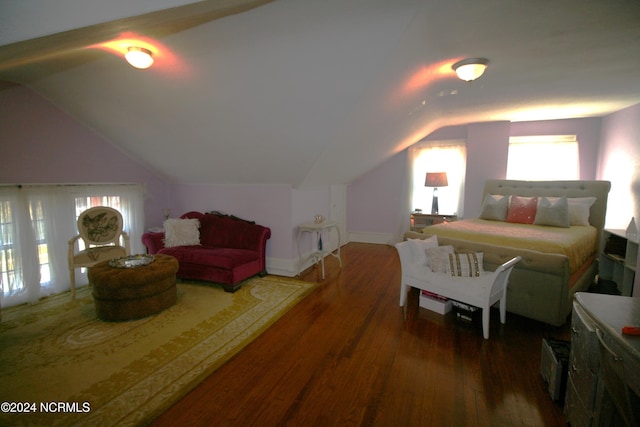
{"x": 471, "y": 68}
{"x": 139, "y": 57}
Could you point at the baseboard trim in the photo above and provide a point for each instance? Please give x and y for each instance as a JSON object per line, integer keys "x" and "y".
{"x": 282, "y": 267}
{"x": 371, "y": 237}
{"x": 289, "y": 267}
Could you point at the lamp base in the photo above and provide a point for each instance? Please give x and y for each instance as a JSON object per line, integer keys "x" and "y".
{"x": 434, "y": 205}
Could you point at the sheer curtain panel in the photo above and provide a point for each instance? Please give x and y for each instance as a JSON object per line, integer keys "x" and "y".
{"x": 36, "y": 223}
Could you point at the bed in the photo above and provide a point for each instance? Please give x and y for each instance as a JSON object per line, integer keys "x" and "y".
{"x": 558, "y": 259}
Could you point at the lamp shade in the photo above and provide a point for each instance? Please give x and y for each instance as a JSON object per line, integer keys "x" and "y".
{"x": 436, "y": 179}
{"x": 471, "y": 68}
{"x": 139, "y": 57}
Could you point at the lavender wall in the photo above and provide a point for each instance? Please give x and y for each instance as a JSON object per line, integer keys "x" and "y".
{"x": 41, "y": 144}
{"x": 278, "y": 207}
{"x": 587, "y": 132}
{"x": 268, "y": 205}
{"x": 375, "y": 200}
{"x": 374, "y": 204}
{"x": 487, "y": 147}
{"x": 620, "y": 163}
{"x": 305, "y": 205}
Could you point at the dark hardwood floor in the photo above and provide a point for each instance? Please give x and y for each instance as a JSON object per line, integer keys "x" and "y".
{"x": 348, "y": 355}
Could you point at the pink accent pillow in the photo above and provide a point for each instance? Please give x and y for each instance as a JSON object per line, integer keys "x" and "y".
{"x": 522, "y": 209}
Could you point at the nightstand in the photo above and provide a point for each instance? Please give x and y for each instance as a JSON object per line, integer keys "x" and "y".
{"x": 421, "y": 220}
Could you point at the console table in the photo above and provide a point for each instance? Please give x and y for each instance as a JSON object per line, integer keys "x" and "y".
{"x": 319, "y": 229}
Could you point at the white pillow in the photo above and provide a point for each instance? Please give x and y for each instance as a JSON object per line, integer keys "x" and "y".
{"x": 553, "y": 212}
{"x": 465, "y": 264}
{"x": 494, "y": 207}
{"x": 438, "y": 258}
{"x": 181, "y": 232}
{"x": 579, "y": 208}
{"x": 418, "y": 247}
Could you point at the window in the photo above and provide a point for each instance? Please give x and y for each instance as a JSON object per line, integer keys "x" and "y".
{"x": 439, "y": 156}
{"x": 37, "y": 221}
{"x": 7, "y": 254}
{"x": 543, "y": 157}
{"x": 85, "y": 202}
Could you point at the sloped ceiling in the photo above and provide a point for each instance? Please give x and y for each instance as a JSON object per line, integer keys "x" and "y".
{"x": 311, "y": 93}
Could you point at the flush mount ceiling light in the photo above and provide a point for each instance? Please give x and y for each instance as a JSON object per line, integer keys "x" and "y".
{"x": 139, "y": 57}
{"x": 471, "y": 68}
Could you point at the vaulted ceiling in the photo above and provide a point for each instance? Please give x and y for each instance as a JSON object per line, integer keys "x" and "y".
{"x": 309, "y": 93}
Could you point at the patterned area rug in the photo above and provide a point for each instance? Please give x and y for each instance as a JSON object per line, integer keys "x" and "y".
{"x": 61, "y": 365}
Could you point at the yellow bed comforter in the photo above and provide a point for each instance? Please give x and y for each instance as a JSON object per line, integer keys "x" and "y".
{"x": 578, "y": 243}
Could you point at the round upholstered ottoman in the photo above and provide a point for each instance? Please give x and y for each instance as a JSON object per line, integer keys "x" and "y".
{"x": 132, "y": 293}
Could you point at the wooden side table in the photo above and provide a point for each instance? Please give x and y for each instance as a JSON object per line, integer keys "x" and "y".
{"x": 421, "y": 220}
{"x": 321, "y": 252}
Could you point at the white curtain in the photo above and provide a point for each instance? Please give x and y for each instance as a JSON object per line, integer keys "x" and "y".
{"x": 36, "y": 223}
{"x": 439, "y": 156}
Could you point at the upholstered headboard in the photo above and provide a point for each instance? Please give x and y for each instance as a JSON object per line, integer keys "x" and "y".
{"x": 597, "y": 189}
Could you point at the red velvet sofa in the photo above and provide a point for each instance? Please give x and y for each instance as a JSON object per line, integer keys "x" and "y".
{"x": 231, "y": 250}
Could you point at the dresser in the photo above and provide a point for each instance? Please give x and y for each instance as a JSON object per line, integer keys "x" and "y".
{"x": 586, "y": 402}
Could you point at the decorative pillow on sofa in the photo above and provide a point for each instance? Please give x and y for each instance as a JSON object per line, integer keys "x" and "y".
{"x": 522, "y": 210}
{"x": 579, "y": 209}
{"x": 494, "y": 207}
{"x": 181, "y": 232}
{"x": 437, "y": 258}
{"x": 419, "y": 247}
{"x": 465, "y": 264}
{"x": 553, "y": 211}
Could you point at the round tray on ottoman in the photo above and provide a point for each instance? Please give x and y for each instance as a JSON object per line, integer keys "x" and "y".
{"x": 131, "y": 290}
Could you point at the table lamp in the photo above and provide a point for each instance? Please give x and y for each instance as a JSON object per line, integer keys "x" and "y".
{"x": 435, "y": 180}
